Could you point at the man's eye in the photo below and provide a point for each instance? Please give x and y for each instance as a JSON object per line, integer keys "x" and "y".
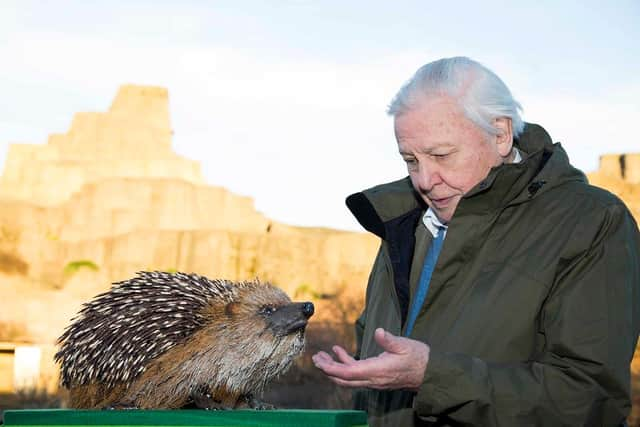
{"x": 412, "y": 164}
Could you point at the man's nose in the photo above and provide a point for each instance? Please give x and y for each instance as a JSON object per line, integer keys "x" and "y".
{"x": 427, "y": 178}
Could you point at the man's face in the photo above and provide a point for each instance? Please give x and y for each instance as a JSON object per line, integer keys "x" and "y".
{"x": 446, "y": 154}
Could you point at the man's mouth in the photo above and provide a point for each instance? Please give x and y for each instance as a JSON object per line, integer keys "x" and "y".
{"x": 442, "y": 202}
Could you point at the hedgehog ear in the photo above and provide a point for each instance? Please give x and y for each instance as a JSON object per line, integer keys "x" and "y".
{"x": 232, "y": 309}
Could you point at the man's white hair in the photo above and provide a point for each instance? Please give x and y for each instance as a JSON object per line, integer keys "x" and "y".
{"x": 481, "y": 94}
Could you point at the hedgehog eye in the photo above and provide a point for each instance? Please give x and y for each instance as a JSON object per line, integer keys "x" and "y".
{"x": 267, "y": 309}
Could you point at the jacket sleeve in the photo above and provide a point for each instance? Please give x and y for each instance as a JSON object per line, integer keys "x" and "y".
{"x": 589, "y": 325}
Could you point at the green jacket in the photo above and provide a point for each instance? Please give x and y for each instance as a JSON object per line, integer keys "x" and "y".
{"x": 532, "y": 312}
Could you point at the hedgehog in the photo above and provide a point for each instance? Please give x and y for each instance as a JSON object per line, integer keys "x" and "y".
{"x": 174, "y": 340}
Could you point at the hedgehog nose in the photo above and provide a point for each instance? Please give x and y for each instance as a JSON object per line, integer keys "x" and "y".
{"x": 307, "y": 309}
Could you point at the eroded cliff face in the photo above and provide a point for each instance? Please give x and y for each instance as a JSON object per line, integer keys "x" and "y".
{"x": 110, "y": 197}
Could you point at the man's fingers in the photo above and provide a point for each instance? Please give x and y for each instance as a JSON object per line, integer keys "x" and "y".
{"x": 340, "y": 370}
{"x": 321, "y": 355}
{"x": 390, "y": 342}
{"x": 354, "y": 371}
{"x": 322, "y": 359}
{"x": 334, "y": 368}
{"x": 342, "y": 355}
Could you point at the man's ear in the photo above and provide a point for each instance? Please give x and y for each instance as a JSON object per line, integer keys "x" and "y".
{"x": 504, "y": 139}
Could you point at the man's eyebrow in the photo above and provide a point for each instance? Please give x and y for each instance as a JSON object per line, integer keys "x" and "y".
{"x": 439, "y": 147}
{"x": 429, "y": 150}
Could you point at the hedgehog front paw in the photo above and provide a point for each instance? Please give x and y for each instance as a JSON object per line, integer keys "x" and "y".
{"x": 254, "y": 403}
{"x": 120, "y": 406}
{"x": 204, "y": 400}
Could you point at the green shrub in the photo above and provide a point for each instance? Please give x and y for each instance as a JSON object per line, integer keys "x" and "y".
{"x": 74, "y": 266}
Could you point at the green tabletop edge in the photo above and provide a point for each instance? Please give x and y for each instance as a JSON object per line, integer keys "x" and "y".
{"x": 186, "y": 417}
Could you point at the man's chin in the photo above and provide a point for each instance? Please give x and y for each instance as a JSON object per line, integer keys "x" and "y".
{"x": 444, "y": 209}
{"x": 444, "y": 215}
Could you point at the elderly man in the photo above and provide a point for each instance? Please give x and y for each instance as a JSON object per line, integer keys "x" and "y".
{"x": 505, "y": 291}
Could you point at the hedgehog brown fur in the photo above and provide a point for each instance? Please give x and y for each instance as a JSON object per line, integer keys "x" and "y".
{"x": 167, "y": 340}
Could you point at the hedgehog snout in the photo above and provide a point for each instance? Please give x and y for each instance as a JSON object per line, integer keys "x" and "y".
{"x": 290, "y": 318}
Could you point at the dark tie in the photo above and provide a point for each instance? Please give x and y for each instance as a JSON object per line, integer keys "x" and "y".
{"x": 425, "y": 277}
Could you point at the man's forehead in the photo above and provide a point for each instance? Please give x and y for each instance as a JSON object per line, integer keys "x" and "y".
{"x": 437, "y": 123}
{"x": 440, "y": 112}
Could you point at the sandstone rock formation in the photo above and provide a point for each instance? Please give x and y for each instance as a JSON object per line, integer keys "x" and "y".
{"x": 620, "y": 174}
{"x": 132, "y": 139}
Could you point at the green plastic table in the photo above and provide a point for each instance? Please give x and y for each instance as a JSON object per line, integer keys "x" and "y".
{"x": 190, "y": 417}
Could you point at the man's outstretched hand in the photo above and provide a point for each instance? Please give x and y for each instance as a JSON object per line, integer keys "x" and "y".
{"x": 400, "y": 366}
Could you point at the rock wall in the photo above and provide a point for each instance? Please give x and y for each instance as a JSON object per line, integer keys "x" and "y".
{"x": 116, "y": 206}
{"x": 328, "y": 263}
{"x": 620, "y": 174}
{"x": 621, "y": 166}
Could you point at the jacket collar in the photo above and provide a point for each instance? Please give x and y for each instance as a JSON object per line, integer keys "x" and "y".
{"x": 384, "y": 203}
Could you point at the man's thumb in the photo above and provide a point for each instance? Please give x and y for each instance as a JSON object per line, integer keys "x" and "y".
{"x": 388, "y": 341}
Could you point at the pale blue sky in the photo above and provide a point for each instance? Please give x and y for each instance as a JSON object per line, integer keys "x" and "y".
{"x": 284, "y": 100}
